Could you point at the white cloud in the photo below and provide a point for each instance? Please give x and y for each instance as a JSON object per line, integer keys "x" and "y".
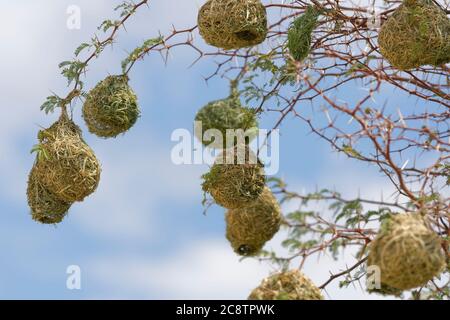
{"x": 135, "y": 180}
{"x": 206, "y": 270}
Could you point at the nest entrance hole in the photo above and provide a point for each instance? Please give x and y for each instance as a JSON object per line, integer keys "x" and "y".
{"x": 246, "y": 35}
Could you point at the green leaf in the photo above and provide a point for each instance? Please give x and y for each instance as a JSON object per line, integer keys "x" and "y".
{"x": 51, "y": 103}
{"x": 81, "y": 47}
{"x": 41, "y": 153}
{"x": 140, "y": 51}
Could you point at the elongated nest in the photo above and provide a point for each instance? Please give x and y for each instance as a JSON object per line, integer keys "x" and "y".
{"x": 289, "y": 285}
{"x": 233, "y": 24}
{"x": 300, "y": 33}
{"x": 229, "y": 118}
{"x": 45, "y": 207}
{"x": 407, "y": 252}
{"x": 233, "y": 181}
{"x": 416, "y": 34}
{"x": 66, "y": 165}
{"x": 249, "y": 228}
{"x": 111, "y": 108}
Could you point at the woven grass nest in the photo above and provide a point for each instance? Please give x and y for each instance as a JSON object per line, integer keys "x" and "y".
{"x": 226, "y": 114}
{"x": 416, "y": 34}
{"x": 407, "y": 251}
{"x": 289, "y": 285}
{"x": 111, "y": 108}
{"x": 233, "y": 24}
{"x": 45, "y": 207}
{"x": 236, "y": 179}
{"x": 300, "y": 33}
{"x": 249, "y": 228}
{"x": 66, "y": 165}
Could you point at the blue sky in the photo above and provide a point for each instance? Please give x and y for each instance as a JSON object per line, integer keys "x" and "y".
{"x": 142, "y": 234}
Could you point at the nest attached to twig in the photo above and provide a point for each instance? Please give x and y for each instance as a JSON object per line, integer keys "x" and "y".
{"x": 233, "y": 24}
{"x": 289, "y": 285}
{"x": 249, "y": 228}
{"x": 416, "y": 34}
{"x": 236, "y": 179}
{"x": 407, "y": 251}
{"x": 226, "y": 114}
{"x": 300, "y": 33}
{"x": 45, "y": 207}
{"x": 66, "y": 165}
{"x": 111, "y": 108}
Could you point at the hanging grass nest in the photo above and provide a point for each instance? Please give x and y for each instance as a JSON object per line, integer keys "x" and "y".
{"x": 416, "y": 34}
{"x": 236, "y": 178}
{"x": 45, "y": 207}
{"x": 407, "y": 251}
{"x": 226, "y": 114}
{"x": 111, "y": 108}
{"x": 233, "y": 24}
{"x": 66, "y": 165}
{"x": 300, "y": 33}
{"x": 289, "y": 285}
{"x": 250, "y": 227}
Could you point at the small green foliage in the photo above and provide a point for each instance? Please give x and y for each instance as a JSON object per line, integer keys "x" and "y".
{"x": 356, "y": 67}
{"x": 108, "y": 24}
{"x": 139, "y": 52}
{"x": 72, "y": 69}
{"x": 82, "y": 47}
{"x": 126, "y": 8}
{"x": 51, "y": 103}
{"x": 352, "y": 277}
{"x": 41, "y": 153}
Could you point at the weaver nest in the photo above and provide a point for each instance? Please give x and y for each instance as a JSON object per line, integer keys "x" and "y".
{"x": 233, "y": 24}
{"x": 250, "y": 227}
{"x": 289, "y": 285}
{"x": 236, "y": 179}
{"x": 45, "y": 207}
{"x": 66, "y": 165}
{"x": 407, "y": 251}
{"x": 300, "y": 33}
{"x": 226, "y": 116}
{"x": 111, "y": 108}
{"x": 416, "y": 34}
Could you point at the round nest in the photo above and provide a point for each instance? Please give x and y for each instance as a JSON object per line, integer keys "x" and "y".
{"x": 300, "y": 33}
{"x": 249, "y": 228}
{"x": 233, "y": 24}
{"x": 416, "y": 34}
{"x": 66, "y": 165}
{"x": 111, "y": 107}
{"x": 45, "y": 206}
{"x": 289, "y": 285}
{"x": 407, "y": 251}
{"x": 236, "y": 179}
{"x": 223, "y": 115}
